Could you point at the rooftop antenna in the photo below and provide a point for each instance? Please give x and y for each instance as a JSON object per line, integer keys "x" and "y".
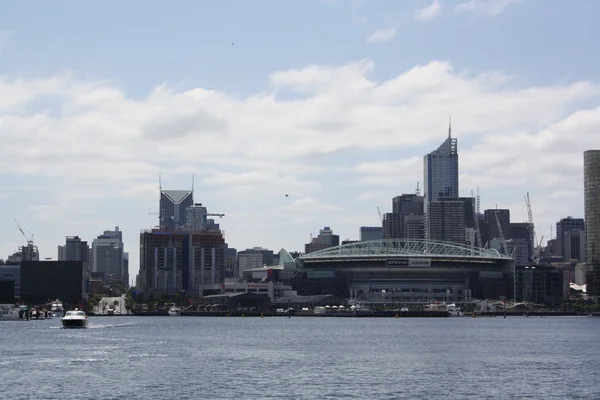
{"x": 417, "y": 190}
{"x": 450, "y": 127}
{"x": 159, "y": 183}
{"x": 192, "y": 183}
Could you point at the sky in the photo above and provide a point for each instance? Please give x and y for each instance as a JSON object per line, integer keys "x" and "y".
{"x": 333, "y": 102}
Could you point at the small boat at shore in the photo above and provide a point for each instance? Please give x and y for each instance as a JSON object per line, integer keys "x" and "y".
{"x": 74, "y": 319}
{"x": 174, "y": 311}
{"x": 8, "y": 312}
{"x": 56, "y": 308}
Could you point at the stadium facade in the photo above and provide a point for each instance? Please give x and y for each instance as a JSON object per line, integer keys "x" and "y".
{"x": 409, "y": 271}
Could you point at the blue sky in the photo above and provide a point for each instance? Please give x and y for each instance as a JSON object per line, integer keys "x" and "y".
{"x": 96, "y": 99}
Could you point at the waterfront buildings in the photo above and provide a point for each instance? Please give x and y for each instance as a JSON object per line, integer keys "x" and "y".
{"x": 180, "y": 261}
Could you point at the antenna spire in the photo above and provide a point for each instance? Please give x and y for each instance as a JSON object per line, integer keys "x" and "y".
{"x": 417, "y": 190}
{"x": 450, "y": 127}
{"x": 159, "y": 182}
{"x": 192, "y": 183}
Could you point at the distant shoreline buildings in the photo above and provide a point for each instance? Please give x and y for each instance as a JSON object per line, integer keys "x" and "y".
{"x": 186, "y": 253}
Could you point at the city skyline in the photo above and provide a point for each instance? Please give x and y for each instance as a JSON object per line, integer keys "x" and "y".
{"x": 337, "y": 117}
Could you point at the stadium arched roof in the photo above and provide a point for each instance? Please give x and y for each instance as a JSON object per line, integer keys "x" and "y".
{"x": 404, "y": 247}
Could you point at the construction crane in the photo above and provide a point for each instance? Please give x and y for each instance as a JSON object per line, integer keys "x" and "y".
{"x": 501, "y": 233}
{"x": 532, "y": 235}
{"x": 216, "y": 215}
{"x": 29, "y": 240}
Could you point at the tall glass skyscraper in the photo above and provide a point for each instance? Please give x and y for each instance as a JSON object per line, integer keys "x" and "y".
{"x": 440, "y": 171}
{"x": 591, "y": 179}
{"x": 173, "y": 205}
{"x": 443, "y": 210}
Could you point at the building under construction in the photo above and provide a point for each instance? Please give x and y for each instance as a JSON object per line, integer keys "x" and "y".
{"x": 185, "y": 253}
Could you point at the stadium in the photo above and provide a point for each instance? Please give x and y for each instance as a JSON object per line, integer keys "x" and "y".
{"x": 406, "y": 271}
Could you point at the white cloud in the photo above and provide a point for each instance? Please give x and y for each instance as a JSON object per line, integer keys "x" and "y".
{"x": 429, "y": 12}
{"x": 490, "y": 8}
{"x": 382, "y": 35}
{"x": 342, "y": 145}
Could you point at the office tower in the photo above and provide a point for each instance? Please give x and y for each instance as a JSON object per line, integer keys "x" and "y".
{"x": 440, "y": 176}
{"x": 574, "y": 245}
{"x": 440, "y": 171}
{"x": 196, "y": 217}
{"x": 564, "y": 226}
{"x": 371, "y": 233}
{"x": 327, "y": 237}
{"x": 173, "y": 205}
{"x": 108, "y": 257}
{"x": 591, "y": 178}
{"x": 445, "y": 221}
{"x": 503, "y": 217}
{"x": 75, "y": 249}
{"x": 406, "y": 219}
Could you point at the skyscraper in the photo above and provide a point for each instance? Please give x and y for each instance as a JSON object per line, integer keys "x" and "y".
{"x": 591, "y": 179}
{"x": 563, "y": 227}
{"x": 440, "y": 171}
{"x": 108, "y": 256}
{"x": 440, "y": 176}
{"x": 173, "y": 205}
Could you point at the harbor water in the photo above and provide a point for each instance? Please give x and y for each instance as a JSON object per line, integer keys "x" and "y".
{"x": 302, "y": 358}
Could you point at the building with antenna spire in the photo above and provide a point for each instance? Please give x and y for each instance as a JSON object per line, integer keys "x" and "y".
{"x": 444, "y": 211}
{"x": 173, "y": 205}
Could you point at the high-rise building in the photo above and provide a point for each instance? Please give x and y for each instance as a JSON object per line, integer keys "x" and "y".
{"x": 591, "y": 178}
{"x": 172, "y": 262}
{"x": 255, "y": 257}
{"x": 196, "y": 217}
{"x": 445, "y": 221}
{"x": 441, "y": 194}
{"x": 371, "y": 233}
{"x": 574, "y": 245}
{"x": 393, "y": 226}
{"x": 74, "y": 249}
{"x": 520, "y": 231}
{"x": 327, "y": 236}
{"x": 173, "y": 205}
{"x": 108, "y": 256}
{"x": 440, "y": 171}
{"x": 406, "y": 219}
{"x": 564, "y": 226}
{"x": 503, "y": 218}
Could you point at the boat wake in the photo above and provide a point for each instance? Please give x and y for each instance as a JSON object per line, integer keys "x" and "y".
{"x": 104, "y": 326}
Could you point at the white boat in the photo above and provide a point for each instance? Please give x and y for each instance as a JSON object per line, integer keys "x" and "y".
{"x": 452, "y": 310}
{"x": 57, "y": 308}
{"x": 8, "y": 312}
{"x": 74, "y": 319}
{"x": 174, "y": 311}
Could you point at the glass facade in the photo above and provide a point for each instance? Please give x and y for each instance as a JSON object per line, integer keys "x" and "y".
{"x": 591, "y": 178}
